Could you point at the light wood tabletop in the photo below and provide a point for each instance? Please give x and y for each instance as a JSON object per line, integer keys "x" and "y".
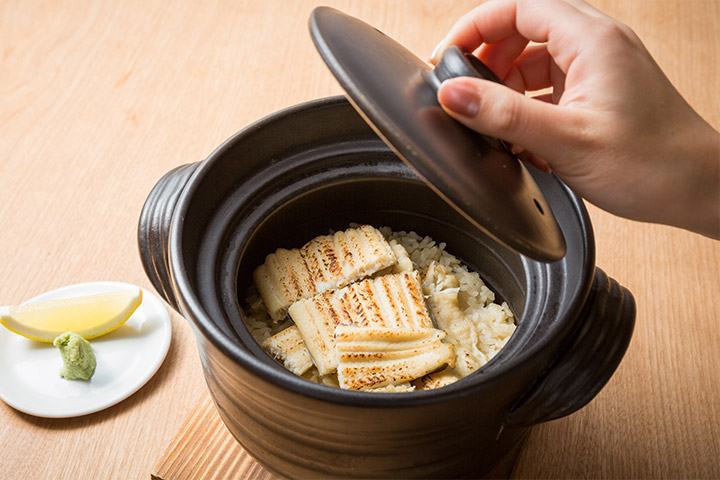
{"x": 99, "y": 99}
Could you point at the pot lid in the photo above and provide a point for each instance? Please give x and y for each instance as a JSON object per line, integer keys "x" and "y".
{"x": 396, "y": 93}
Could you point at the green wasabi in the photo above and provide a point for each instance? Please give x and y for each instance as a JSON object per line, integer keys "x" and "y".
{"x": 78, "y": 357}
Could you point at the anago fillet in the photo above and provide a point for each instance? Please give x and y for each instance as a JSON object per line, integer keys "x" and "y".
{"x": 392, "y": 301}
{"x": 288, "y": 346}
{"x": 325, "y": 263}
{"x": 374, "y": 357}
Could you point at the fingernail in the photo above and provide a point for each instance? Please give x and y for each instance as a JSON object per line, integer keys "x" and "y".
{"x": 541, "y": 164}
{"x": 459, "y": 98}
{"x": 436, "y": 51}
{"x": 535, "y": 161}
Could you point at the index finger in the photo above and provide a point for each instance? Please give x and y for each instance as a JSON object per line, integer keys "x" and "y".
{"x": 498, "y": 19}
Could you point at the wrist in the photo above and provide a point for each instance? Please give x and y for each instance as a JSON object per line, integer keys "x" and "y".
{"x": 698, "y": 205}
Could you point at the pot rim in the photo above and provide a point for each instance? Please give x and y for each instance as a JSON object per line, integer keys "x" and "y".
{"x": 193, "y": 311}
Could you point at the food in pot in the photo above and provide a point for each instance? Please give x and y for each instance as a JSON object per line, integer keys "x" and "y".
{"x": 421, "y": 320}
{"x": 376, "y": 357}
{"x": 392, "y": 301}
{"x": 289, "y": 347}
{"x": 324, "y": 263}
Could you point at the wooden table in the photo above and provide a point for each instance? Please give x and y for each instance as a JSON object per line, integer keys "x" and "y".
{"x": 98, "y": 99}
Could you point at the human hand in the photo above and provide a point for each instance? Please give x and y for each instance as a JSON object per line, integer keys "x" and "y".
{"x": 613, "y": 128}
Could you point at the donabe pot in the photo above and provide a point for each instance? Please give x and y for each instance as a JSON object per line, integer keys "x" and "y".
{"x": 318, "y": 166}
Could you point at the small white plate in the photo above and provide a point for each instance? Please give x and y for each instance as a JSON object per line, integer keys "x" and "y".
{"x": 127, "y": 358}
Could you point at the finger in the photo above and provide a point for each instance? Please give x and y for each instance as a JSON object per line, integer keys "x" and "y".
{"x": 534, "y": 160}
{"x": 498, "y": 111}
{"x": 545, "y": 97}
{"x": 585, "y": 7}
{"x": 491, "y": 21}
{"x": 500, "y": 56}
{"x": 531, "y": 70}
{"x": 552, "y": 21}
{"x": 535, "y": 70}
{"x": 529, "y": 157}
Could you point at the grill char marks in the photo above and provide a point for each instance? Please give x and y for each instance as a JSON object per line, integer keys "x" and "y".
{"x": 376, "y": 357}
{"x": 325, "y": 263}
{"x": 288, "y": 346}
{"x": 392, "y": 301}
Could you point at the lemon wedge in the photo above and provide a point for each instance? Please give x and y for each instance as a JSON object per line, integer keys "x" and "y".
{"x": 89, "y": 316}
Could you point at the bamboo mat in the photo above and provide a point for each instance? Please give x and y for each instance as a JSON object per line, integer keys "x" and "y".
{"x": 205, "y": 449}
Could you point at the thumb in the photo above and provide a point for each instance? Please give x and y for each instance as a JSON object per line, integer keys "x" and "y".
{"x": 498, "y": 111}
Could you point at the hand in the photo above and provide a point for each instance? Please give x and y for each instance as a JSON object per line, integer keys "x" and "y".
{"x": 613, "y": 128}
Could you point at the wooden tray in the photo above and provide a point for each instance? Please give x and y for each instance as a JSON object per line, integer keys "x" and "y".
{"x": 205, "y": 449}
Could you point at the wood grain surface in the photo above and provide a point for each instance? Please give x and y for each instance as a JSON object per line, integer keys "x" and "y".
{"x": 205, "y": 448}
{"x": 98, "y": 99}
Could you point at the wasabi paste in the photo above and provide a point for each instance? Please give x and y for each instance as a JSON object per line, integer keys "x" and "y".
{"x": 78, "y": 357}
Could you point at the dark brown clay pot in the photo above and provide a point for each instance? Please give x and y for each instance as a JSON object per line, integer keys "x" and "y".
{"x": 318, "y": 166}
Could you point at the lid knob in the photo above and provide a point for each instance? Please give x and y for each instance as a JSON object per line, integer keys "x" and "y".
{"x": 458, "y": 62}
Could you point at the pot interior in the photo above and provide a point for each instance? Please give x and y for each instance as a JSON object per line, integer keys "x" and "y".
{"x": 318, "y": 167}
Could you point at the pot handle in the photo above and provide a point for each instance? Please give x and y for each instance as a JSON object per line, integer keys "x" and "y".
{"x": 587, "y": 362}
{"x": 154, "y": 228}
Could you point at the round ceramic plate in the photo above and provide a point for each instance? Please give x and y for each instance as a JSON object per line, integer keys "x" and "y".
{"x": 127, "y": 358}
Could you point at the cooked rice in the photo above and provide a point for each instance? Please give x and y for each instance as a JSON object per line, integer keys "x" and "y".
{"x": 494, "y": 322}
